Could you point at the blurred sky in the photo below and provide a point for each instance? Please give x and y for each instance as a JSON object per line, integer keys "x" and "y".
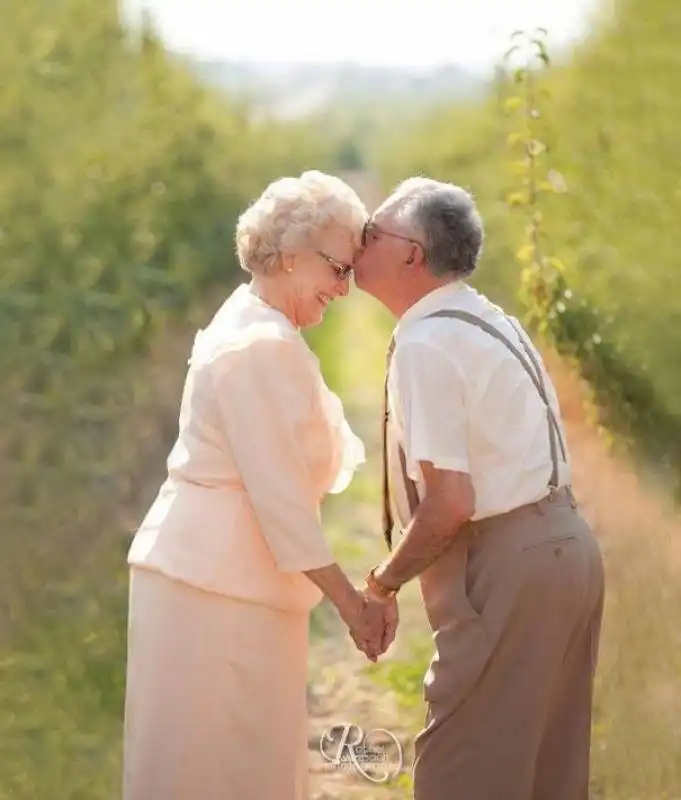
{"x": 386, "y": 32}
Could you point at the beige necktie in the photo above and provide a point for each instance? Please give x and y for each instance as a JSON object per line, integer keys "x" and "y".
{"x": 409, "y": 485}
{"x": 387, "y": 513}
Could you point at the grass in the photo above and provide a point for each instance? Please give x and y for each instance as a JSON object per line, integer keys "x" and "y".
{"x": 61, "y": 694}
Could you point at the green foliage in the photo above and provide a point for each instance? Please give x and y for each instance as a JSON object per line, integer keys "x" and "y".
{"x": 62, "y": 692}
{"x": 350, "y": 156}
{"x": 404, "y": 676}
{"x": 629, "y": 401}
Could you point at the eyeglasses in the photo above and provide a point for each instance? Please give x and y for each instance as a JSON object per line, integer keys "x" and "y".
{"x": 341, "y": 268}
{"x": 371, "y": 228}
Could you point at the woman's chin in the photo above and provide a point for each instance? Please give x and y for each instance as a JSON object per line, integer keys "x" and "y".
{"x": 311, "y": 321}
{"x": 314, "y": 315}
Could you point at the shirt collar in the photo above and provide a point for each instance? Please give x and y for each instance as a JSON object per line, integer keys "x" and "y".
{"x": 252, "y": 299}
{"x": 245, "y": 298}
{"x": 432, "y": 301}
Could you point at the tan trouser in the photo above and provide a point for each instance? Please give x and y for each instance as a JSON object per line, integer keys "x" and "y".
{"x": 516, "y": 607}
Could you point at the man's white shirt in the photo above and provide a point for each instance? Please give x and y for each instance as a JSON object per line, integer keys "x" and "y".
{"x": 460, "y": 399}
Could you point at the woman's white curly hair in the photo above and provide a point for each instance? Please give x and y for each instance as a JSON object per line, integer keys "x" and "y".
{"x": 289, "y": 213}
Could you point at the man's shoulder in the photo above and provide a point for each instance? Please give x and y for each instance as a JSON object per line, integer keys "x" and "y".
{"x": 439, "y": 325}
{"x": 478, "y": 304}
{"x": 471, "y": 348}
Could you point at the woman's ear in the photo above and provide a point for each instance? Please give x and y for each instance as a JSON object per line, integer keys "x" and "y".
{"x": 287, "y": 261}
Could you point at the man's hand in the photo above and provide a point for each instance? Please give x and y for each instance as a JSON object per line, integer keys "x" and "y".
{"x": 392, "y": 619}
{"x": 390, "y": 615}
{"x": 368, "y": 627}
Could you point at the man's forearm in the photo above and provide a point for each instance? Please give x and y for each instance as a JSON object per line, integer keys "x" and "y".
{"x": 429, "y": 534}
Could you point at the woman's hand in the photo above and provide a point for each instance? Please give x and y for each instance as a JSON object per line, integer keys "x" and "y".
{"x": 390, "y": 616}
{"x": 371, "y": 621}
{"x": 367, "y": 623}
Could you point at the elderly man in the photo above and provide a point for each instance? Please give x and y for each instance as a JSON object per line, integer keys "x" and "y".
{"x": 475, "y": 455}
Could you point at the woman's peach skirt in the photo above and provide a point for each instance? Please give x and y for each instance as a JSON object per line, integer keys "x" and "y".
{"x": 216, "y": 696}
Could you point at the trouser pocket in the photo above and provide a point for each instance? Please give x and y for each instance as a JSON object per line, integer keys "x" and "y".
{"x": 549, "y": 540}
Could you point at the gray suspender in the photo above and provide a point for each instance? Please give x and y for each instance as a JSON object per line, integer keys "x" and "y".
{"x": 535, "y": 374}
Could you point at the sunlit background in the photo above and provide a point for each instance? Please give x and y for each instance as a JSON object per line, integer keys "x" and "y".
{"x": 372, "y": 33}
{"x": 132, "y": 136}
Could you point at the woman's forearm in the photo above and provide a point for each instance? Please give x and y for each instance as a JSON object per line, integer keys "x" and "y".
{"x": 365, "y": 619}
{"x": 335, "y": 585}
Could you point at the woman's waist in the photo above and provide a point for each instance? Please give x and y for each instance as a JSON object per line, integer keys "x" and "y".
{"x": 205, "y": 524}
{"x": 184, "y": 504}
{"x": 228, "y": 556}
{"x": 290, "y": 592}
{"x": 207, "y": 477}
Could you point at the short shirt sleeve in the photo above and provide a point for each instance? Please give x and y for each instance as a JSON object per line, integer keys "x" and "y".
{"x": 266, "y": 392}
{"x": 430, "y": 394}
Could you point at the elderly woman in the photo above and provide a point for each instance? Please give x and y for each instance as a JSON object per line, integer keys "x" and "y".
{"x": 231, "y": 556}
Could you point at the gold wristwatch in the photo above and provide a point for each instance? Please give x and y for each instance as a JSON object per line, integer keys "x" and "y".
{"x": 377, "y": 588}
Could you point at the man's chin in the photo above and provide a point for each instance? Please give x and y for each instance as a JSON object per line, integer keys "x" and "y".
{"x": 359, "y": 282}
{"x": 363, "y": 285}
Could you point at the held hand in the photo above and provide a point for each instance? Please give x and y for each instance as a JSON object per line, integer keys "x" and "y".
{"x": 368, "y": 627}
{"x": 392, "y": 619}
{"x": 390, "y": 614}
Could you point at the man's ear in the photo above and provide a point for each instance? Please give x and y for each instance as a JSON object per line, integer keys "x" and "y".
{"x": 412, "y": 255}
{"x": 418, "y": 257}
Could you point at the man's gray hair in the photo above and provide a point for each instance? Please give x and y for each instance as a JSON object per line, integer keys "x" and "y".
{"x": 445, "y": 219}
